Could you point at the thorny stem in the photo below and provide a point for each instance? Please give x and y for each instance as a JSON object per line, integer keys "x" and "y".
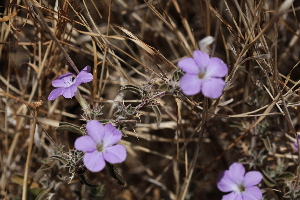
{"x": 33, "y": 7}
{"x": 148, "y": 101}
{"x": 193, "y": 162}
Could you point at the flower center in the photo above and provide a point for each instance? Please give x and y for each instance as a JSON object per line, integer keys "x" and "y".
{"x": 69, "y": 82}
{"x": 201, "y": 74}
{"x": 241, "y": 188}
{"x": 99, "y": 147}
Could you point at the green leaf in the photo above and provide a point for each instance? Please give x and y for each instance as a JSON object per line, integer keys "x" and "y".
{"x": 59, "y": 158}
{"x": 238, "y": 125}
{"x": 157, "y": 113}
{"x": 132, "y": 88}
{"x": 267, "y": 143}
{"x": 286, "y": 175}
{"x": 104, "y": 121}
{"x": 298, "y": 169}
{"x": 177, "y": 75}
{"x": 85, "y": 182}
{"x": 43, "y": 194}
{"x": 65, "y": 126}
{"x": 113, "y": 172}
{"x": 287, "y": 195}
{"x": 268, "y": 180}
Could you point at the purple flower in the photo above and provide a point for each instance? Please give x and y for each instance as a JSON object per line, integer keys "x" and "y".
{"x": 67, "y": 85}
{"x": 99, "y": 146}
{"x": 203, "y": 74}
{"x": 242, "y": 186}
{"x": 296, "y": 144}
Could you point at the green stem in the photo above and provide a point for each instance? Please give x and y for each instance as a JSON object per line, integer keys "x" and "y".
{"x": 83, "y": 103}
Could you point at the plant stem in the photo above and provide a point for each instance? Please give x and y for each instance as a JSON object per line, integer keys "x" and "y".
{"x": 28, "y": 160}
{"x": 83, "y": 103}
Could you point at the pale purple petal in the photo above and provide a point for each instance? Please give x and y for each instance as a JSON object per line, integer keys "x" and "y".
{"x": 226, "y": 184}
{"x": 96, "y": 130}
{"x": 296, "y": 146}
{"x": 84, "y": 76}
{"x": 252, "y": 193}
{"x": 232, "y": 196}
{"x": 252, "y": 178}
{"x": 85, "y": 143}
{"x": 56, "y": 93}
{"x": 188, "y": 65}
{"x": 216, "y": 68}
{"x": 202, "y": 59}
{"x": 62, "y": 79}
{"x": 94, "y": 161}
{"x": 111, "y": 135}
{"x": 70, "y": 91}
{"x": 236, "y": 173}
{"x": 115, "y": 154}
{"x": 190, "y": 84}
{"x": 213, "y": 88}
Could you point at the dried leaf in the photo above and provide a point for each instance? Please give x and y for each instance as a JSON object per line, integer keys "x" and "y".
{"x": 8, "y": 17}
{"x": 145, "y": 46}
{"x": 19, "y": 179}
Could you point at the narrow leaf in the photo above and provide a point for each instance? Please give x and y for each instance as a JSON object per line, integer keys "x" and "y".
{"x": 113, "y": 172}
{"x": 43, "y": 194}
{"x": 132, "y": 88}
{"x": 157, "y": 113}
{"x": 64, "y": 126}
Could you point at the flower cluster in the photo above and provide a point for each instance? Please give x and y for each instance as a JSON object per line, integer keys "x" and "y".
{"x": 242, "y": 186}
{"x": 98, "y": 145}
{"x": 203, "y": 73}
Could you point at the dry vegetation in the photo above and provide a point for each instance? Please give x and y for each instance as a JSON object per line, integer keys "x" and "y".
{"x": 176, "y": 145}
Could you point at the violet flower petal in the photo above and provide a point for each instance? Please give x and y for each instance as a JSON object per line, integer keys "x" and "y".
{"x": 252, "y": 193}
{"x": 85, "y": 143}
{"x": 216, "y": 68}
{"x": 84, "y": 76}
{"x": 189, "y": 66}
{"x": 225, "y": 184}
{"x": 94, "y": 161}
{"x": 62, "y": 79}
{"x": 213, "y": 88}
{"x": 252, "y": 178}
{"x": 296, "y": 146}
{"x": 70, "y": 91}
{"x": 232, "y": 196}
{"x": 190, "y": 84}
{"x": 201, "y": 59}
{"x": 56, "y": 93}
{"x": 96, "y": 130}
{"x": 111, "y": 135}
{"x": 96, "y": 146}
{"x": 115, "y": 154}
{"x": 236, "y": 173}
